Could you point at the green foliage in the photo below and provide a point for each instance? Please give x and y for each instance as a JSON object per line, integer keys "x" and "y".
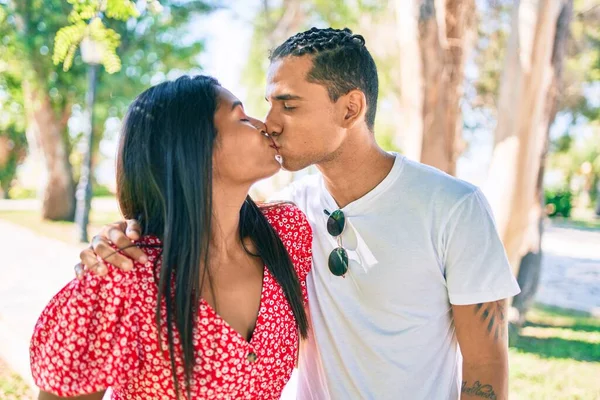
{"x": 558, "y": 203}
{"x": 102, "y": 191}
{"x": 120, "y": 10}
{"x": 66, "y": 43}
{"x": 154, "y": 47}
{"x": 13, "y": 149}
{"x": 86, "y": 22}
{"x": 13, "y": 143}
{"x": 274, "y": 24}
{"x": 572, "y": 157}
{"x": 581, "y": 66}
{"x": 562, "y": 144}
{"x": 490, "y": 48}
{"x": 27, "y": 33}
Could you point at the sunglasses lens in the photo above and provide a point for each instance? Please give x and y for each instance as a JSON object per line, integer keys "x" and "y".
{"x": 338, "y": 262}
{"x": 336, "y": 223}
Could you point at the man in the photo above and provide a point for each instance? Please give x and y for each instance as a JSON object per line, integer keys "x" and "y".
{"x": 407, "y": 263}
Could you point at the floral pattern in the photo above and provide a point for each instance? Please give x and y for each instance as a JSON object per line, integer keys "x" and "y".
{"x": 101, "y": 332}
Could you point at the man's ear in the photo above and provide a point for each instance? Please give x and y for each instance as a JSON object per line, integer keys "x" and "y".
{"x": 354, "y": 105}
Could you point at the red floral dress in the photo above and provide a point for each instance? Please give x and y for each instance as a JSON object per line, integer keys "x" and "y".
{"x": 101, "y": 332}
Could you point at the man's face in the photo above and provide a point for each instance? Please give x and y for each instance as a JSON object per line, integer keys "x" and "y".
{"x": 305, "y": 123}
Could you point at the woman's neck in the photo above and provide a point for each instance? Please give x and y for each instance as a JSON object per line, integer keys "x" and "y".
{"x": 225, "y": 241}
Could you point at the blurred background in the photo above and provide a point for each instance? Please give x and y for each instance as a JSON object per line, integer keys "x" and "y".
{"x": 502, "y": 93}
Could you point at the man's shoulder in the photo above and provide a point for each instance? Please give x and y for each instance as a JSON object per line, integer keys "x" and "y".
{"x": 427, "y": 181}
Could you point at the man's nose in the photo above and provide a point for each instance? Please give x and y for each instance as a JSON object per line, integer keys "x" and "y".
{"x": 273, "y": 125}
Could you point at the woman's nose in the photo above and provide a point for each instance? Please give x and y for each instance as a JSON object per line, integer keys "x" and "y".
{"x": 258, "y": 124}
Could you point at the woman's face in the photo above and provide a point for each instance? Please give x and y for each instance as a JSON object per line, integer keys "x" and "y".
{"x": 243, "y": 154}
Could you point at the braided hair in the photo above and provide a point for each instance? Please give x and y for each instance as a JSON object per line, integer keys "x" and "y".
{"x": 341, "y": 63}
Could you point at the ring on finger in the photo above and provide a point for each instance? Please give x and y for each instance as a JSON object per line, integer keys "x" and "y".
{"x": 79, "y": 271}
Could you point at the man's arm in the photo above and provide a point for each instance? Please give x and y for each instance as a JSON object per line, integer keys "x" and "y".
{"x": 49, "y": 396}
{"x": 482, "y": 333}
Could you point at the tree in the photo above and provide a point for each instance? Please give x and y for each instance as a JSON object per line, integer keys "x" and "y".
{"x": 421, "y": 64}
{"x": 153, "y": 48}
{"x": 272, "y": 26}
{"x": 434, "y": 42}
{"x": 47, "y": 93}
{"x": 526, "y": 108}
{"x": 13, "y": 143}
{"x": 578, "y": 159}
{"x": 12, "y": 152}
{"x": 98, "y": 46}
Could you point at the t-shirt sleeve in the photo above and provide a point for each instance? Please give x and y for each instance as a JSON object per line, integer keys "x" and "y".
{"x": 86, "y": 339}
{"x": 476, "y": 267}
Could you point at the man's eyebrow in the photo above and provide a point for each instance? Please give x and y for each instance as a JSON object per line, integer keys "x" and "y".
{"x": 235, "y": 104}
{"x": 284, "y": 97}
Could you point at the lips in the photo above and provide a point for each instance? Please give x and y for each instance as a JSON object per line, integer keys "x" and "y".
{"x": 273, "y": 144}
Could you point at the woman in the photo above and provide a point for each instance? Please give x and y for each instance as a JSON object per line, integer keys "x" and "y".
{"x": 217, "y": 310}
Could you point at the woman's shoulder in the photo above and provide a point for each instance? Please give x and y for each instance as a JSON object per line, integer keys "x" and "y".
{"x": 284, "y": 216}
{"x": 152, "y": 246}
{"x": 295, "y": 232}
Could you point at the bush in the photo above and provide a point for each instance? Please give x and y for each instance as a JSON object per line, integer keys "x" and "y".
{"x": 20, "y": 193}
{"x": 102, "y": 191}
{"x": 558, "y": 203}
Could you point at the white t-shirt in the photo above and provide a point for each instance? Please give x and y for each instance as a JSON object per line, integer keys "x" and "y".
{"x": 419, "y": 242}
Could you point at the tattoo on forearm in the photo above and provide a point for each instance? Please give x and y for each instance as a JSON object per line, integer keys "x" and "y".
{"x": 493, "y": 315}
{"x": 479, "y": 390}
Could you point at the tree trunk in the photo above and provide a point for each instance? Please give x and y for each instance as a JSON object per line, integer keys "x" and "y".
{"x": 409, "y": 80}
{"x": 5, "y": 178}
{"x": 530, "y": 267}
{"x": 58, "y": 201}
{"x": 598, "y": 199}
{"x": 526, "y": 109}
{"x": 431, "y": 79}
{"x": 432, "y": 39}
{"x": 287, "y": 24}
{"x": 531, "y": 264}
{"x": 6, "y": 189}
{"x": 460, "y": 37}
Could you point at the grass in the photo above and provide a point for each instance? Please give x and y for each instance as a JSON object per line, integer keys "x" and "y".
{"x": 585, "y": 224}
{"x": 12, "y": 386}
{"x": 581, "y": 218}
{"x": 556, "y": 356}
{"x": 61, "y": 230}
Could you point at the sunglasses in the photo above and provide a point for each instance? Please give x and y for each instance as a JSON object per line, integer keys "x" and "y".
{"x": 338, "y": 258}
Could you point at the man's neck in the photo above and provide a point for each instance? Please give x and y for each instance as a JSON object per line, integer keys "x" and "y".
{"x": 358, "y": 167}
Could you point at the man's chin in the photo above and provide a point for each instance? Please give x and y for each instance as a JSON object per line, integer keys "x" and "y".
{"x": 290, "y": 165}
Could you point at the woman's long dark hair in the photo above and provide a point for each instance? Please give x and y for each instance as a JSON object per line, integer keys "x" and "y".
{"x": 164, "y": 180}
